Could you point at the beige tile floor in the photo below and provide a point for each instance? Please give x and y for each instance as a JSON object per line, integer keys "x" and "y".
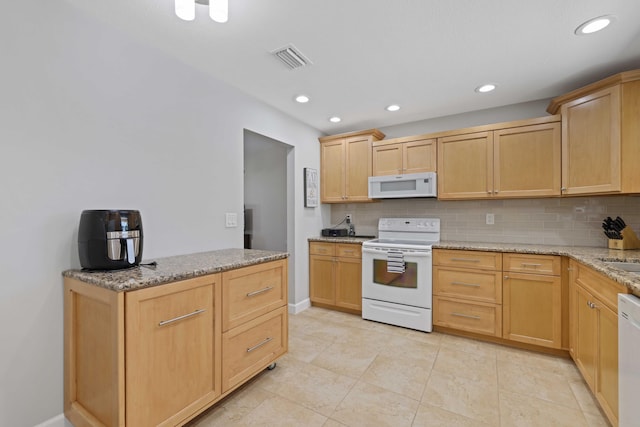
{"x": 345, "y": 371}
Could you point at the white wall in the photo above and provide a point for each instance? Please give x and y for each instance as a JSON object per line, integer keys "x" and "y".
{"x": 524, "y": 110}
{"x": 91, "y": 119}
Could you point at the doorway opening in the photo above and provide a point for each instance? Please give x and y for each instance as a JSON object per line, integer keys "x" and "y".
{"x": 266, "y": 188}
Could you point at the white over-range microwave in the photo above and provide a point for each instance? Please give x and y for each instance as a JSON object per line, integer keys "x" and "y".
{"x": 422, "y": 184}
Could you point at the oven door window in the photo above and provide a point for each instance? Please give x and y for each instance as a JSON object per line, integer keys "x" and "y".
{"x": 408, "y": 279}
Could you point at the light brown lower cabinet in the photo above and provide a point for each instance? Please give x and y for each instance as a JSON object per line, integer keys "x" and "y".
{"x": 467, "y": 291}
{"x": 335, "y": 275}
{"x": 594, "y": 333}
{"x": 159, "y": 356}
{"x": 532, "y": 299}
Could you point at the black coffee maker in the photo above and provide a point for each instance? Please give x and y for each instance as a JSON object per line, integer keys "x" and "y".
{"x": 110, "y": 239}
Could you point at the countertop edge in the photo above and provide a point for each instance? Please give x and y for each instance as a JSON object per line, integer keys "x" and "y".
{"x": 172, "y": 270}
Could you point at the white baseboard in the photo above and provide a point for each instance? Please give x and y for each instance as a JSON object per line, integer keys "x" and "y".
{"x": 301, "y": 306}
{"x": 57, "y": 421}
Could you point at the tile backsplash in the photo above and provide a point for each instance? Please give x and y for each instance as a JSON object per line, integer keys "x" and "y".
{"x": 571, "y": 221}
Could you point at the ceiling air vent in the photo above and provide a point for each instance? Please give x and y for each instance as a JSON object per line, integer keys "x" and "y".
{"x": 291, "y": 57}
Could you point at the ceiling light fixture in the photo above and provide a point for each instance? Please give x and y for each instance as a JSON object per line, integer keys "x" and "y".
{"x": 594, "y": 25}
{"x": 302, "y": 99}
{"x": 485, "y": 88}
{"x": 335, "y": 119}
{"x": 393, "y": 107}
{"x": 218, "y": 9}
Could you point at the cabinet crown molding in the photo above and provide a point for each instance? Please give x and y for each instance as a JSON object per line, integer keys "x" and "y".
{"x": 620, "y": 78}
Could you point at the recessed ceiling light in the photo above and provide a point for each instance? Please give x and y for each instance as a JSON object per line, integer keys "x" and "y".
{"x": 393, "y": 107}
{"x": 486, "y": 88}
{"x": 594, "y": 25}
{"x": 335, "y": 119}
{"x": 302, "y": 99}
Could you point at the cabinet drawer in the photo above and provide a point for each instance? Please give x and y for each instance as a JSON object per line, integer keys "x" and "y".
{"x": 475, "y": 285}
{"x": 472, "y": 317}
{"x": 252, "y": 291}
{"x": 468, "y": 259}
{"x": 349, "y": 250}
{"x": 322, "y": 248}
{"x": 252, "y": 347}
{"x": 599, "y": 286}
{"x": 536, "y": 264}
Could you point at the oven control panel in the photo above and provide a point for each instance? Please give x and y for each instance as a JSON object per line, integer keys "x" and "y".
{"x": 409, "y": 224}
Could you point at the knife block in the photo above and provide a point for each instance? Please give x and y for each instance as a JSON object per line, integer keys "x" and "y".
{"x": 629, "y": 240}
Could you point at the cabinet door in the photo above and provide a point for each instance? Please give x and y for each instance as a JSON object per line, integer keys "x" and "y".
{"x": 586, "y": 338}
{"x": 387, "y": 160}
{"x": 607, "y": 366}
{"x": 349, "y": 283}
{"x": 321, "y": 279}
{"x": 465, "y": 166}
{"x": 419, "y": 156}
{"x": 332, "y": 177}
{"x": 527, "y": 161}
{"x": 591, "y": 143}
{"x": 531, "y": 309}
{"x": 358, "y": 168}
{"x": 172, "y": 332}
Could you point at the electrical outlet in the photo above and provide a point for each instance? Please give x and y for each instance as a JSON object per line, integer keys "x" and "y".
{"x": 348, "y": 217}
{"x": 231, "y": 219}
{"x": 490, "y": 219}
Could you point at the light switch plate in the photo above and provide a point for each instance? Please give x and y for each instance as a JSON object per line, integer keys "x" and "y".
{"x": 231, "y": 219}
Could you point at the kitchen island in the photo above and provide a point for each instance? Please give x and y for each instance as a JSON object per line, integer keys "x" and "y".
{"x": 159, "y": 344}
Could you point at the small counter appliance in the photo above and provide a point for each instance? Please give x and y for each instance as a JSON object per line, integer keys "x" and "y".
{"x": 110, "y": 239}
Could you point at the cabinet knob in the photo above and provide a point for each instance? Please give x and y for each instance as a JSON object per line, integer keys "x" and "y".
{"x": 563, "y": 189}
{"x": 506, "y": 277}
{"x": 495, "y": 191}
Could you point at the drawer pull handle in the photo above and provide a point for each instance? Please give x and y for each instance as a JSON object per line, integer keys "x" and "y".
{"x": 259, "y": 291}
{"x": 465, "y": 259}
{"x": 184, "y": 316}
{"x": 260, "y": 344}
{"x": 527, "y": 264}
{"x": 466, "y": 316}
{"x": 472, "y": 285}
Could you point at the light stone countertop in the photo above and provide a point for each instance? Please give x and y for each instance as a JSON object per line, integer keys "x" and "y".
{"x": 589, "y": 256}
{"x": 172, "y": 269}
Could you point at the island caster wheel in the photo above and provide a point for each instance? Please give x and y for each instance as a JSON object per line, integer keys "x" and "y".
{"x": 272, "y": 366}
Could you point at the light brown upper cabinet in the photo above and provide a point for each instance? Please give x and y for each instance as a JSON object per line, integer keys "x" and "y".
{"x": 345, "y": 166}
{"x": 515, "y": 159}
{"x": 412, "y": 154}
{"x": 600, "y": 134}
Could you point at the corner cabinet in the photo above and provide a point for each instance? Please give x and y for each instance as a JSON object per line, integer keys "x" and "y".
{"x": 412, "y": 154}
{"x": 335, "y": 275}
{"x": 345, "y": 166}
{"x": 600, "y": 133}
{"x": 163, "y": 354}
{"x": 506, "y": 160}
{"x": 594, "y": 333}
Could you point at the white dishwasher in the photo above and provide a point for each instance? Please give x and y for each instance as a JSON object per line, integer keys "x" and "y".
{"x": 628, "y": 362}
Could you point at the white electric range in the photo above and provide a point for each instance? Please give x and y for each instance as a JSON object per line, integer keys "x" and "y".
{"x": 396, "y": 272}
